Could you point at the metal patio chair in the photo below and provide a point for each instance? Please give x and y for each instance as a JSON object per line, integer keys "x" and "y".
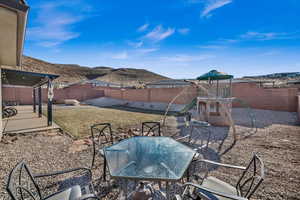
{"x": 212, "y": 188}
{"x": 151, "y": 127}
{"x": 102, "y": 136}
{"x": 23, "y": 185}
{"x": 196, "y": 135}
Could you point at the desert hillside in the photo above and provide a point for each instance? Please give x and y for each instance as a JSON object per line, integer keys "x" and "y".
{"x": 278, "y": 78}
{"x": 73, "y": 73}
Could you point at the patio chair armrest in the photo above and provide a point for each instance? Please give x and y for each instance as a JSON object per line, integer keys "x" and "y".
{"x": 222, "y": 194}
{"x": 222, "y": 164}
{"x": 182, "y": 138}
{"x": 88, "y": 196}
{"x": 120, "y": 135}
{"x": 63, "y": 172}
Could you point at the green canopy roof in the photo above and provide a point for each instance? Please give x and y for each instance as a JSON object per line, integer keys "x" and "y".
{"x": 214, "y": 75}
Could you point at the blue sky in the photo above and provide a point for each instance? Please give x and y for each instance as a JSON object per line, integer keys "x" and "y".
{"x": 176, "y": 38}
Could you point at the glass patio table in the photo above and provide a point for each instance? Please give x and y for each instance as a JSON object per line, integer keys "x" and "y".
{"x": 148, "y": 158}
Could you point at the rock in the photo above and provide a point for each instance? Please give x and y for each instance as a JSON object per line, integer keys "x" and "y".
{"x": 72, "y": 102}
{"x": 77, "y": 148}
{"x": 88, "y": 142}
{"x": 79, "y": 142}
{"x": 51, "y": 134}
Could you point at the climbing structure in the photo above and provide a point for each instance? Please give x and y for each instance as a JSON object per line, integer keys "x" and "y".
{"x": 208, "y": 99}
{"x": 215, "y": 106}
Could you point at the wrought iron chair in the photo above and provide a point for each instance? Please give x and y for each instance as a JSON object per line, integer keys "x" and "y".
{"x": 23, "y": 185}
{"x": 195, "y": 134}
{"x": 102, "y": 136}
{"x": 212, "y": 188}
{"x": 151, "y": 127}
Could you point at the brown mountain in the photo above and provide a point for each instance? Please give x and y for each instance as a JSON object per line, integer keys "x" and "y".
{"x": 73, "y": 73}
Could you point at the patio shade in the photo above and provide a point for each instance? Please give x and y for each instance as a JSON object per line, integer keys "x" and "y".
{"x": 214, "y": 75}
{"x": 23, "y": 78}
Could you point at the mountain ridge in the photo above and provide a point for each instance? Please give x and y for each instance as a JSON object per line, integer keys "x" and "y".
{"x": 70, "y": 73}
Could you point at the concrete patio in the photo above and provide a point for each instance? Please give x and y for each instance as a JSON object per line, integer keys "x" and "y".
{"x": 26, "y": 121}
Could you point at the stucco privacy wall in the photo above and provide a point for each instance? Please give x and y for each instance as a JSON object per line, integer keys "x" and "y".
{"x": 162, "y": 95}
{"x": 78, "y": 92}
{"x": 299, "y": 107}
{"x": 280, "y": 99}
{"x": 23, "y": 95}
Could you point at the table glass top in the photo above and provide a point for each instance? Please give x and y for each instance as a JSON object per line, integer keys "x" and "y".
{"x": 159, "y": 158}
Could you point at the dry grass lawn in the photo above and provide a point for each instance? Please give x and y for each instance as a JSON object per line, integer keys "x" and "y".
{"x": 77, "y": 120}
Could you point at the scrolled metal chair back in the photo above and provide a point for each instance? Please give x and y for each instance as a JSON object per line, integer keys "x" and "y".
{"x": 151, "y": 127}
{"x": 251, "y": 178}
{"x": 101, "y": 136}
{"x": 21, "y": 184}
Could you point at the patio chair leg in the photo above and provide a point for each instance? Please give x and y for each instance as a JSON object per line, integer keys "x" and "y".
{"x": 104, "y": 170}
{"x": 167, "y": 190}
{"x": 220, "y": 146}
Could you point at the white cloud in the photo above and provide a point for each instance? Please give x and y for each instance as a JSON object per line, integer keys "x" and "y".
{"x": 147, "y": 50}
{"x": 48, "y": 44}
{"x": 212, "y": 5}
{"x": 143, "y": 28}
{"x": 159, "y": 33}
{"x": 135, "y": 44}
{"x": 251, "y": 35}
{"x": 270, "y": 53}
{"x": 258, "y": 36}
{"x": 120, "y": 56}
{"x": 183, "y": 31}
{"x": 54, "y": 21}
{"x": 186, "y": 58}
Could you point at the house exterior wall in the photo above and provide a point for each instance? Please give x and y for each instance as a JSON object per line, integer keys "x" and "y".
{"x": 1, "y": 129}
{"x": 8, "y": 46}
{"x": 13, "y": 18}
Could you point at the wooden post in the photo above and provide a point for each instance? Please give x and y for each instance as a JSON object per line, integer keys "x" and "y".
{"x": 40, "y": 100}
{"x": 34, "y": 100}
{"x": 49, "y": 107}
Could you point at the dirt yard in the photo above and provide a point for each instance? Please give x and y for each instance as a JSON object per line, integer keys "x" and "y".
{"x": 277, "y": 141}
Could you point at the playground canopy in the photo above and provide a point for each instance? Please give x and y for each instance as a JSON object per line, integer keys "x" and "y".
{"x": 214, "y": 75}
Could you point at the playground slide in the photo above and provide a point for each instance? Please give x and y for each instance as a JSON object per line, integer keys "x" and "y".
{"x": 189, "y": 106}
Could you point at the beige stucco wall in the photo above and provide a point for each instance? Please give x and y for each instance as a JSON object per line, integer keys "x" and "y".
{"x": 13, "y": 19}
{"x": 8, "y": 37}
{"x": 8, "y": 45}
{"x": 1, "y": 127}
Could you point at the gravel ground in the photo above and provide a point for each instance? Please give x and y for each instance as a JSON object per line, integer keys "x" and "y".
{"x": 277, "y": 141}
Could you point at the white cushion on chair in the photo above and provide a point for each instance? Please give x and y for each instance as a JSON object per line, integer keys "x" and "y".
{"x": 101, "y": 151}
{"x": 68, "y": 194}
{"x": 217, "y": 185}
